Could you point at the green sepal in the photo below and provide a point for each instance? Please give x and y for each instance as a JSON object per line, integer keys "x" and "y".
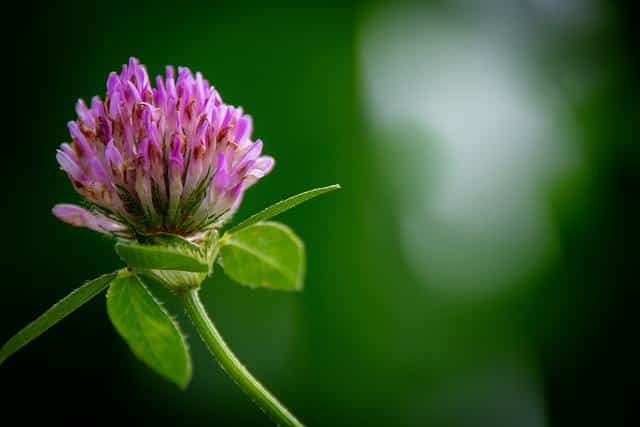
{"x": 163, "y": 251}
{"x": 171, "y": 259}
{"x": 59, "y": 311}
{"x": 153, "y": 336}
{"x": 266, "y": 254}
{"x": 175, "y": 279}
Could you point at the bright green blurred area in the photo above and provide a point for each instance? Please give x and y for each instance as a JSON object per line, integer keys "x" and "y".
{"x": 472, "y": 270}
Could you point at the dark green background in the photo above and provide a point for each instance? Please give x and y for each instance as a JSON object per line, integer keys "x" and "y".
{"x": 365, "y": 343}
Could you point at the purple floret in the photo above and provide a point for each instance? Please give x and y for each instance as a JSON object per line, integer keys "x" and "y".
{"x": 173, "y": 158}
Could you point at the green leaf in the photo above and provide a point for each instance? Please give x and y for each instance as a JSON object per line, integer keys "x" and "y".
{"x": 164, "y": 251}
{"x": 151, "y": 333}
{"x": 55, "y": 314}
{"x": 281, "y": 206}
{"x": 267, "y": 254}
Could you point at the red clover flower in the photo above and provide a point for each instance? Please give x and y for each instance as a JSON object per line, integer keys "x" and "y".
{"x": 174, "y": 158}
{"x": 162, "y": 170}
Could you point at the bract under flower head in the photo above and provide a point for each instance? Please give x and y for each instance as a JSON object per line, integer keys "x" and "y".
{"x": 173, "y": 158}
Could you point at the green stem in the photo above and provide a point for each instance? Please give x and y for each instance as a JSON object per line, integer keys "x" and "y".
{"x": 231, "y": 365}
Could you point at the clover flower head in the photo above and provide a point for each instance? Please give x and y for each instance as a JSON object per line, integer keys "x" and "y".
{"x": 173, "y": 158}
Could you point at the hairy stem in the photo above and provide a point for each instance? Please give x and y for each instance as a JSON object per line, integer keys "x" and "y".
{"x": 231, "y": 365}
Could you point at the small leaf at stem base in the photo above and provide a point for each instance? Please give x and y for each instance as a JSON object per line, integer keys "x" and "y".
{"x": 55, "y": 314}
{"x": 282, "y": 206}
{"x": 151, "y": 333}
{"x": 267, "y": 254}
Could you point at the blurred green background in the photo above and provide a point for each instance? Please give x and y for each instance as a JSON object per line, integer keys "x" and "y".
{"x": 477, "y": 269}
